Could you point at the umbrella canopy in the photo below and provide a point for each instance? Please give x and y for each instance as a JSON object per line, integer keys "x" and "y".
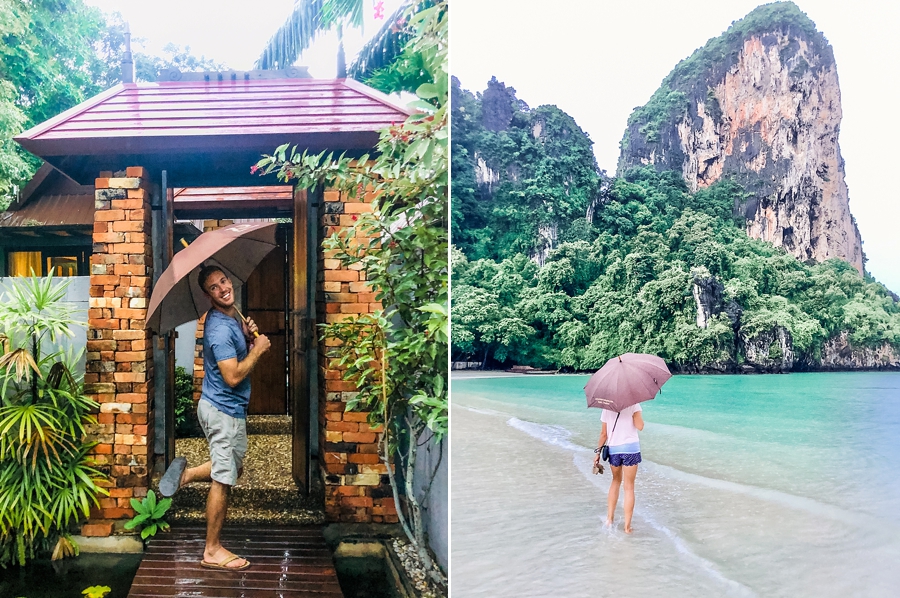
{"x": 626, "y": 380}
{"x": 177, "y": 297}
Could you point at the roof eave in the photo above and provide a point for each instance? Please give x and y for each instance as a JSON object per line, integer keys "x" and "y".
{"x": 377, "y": 96}
{"x": 84, "y": 106}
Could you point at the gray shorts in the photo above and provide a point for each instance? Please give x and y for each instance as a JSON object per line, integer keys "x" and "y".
{"x": 227, "y": 437}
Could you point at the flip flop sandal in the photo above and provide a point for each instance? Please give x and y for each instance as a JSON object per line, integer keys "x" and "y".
{"x": 224, "y": 564}
{"x": 171, "y": 480}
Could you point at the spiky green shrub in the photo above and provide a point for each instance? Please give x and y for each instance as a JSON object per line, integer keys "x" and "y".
{"x": 47, "y": 479}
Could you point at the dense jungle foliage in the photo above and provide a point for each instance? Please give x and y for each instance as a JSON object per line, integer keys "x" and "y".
{"x": 544, "y": 169}
{"x": 624, "y": 280}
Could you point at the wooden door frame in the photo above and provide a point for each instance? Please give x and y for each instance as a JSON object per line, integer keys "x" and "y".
{"x": 300, "y": 345}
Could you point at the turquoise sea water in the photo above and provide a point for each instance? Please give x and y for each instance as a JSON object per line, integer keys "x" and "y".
{"x": 783, "y": 485}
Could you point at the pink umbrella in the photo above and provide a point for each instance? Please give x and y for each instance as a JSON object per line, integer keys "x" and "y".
{"x": 626, "y": 380}
{"x": 177, "y": 297}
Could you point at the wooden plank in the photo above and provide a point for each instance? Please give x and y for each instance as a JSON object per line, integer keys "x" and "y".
{"x": 214, "y": 130}
{"x": 266, "y": 302}
{"x": 291, "y": 103}
{"x": 299, "y": 324}
{"x": 227, "y": 126}
{"x": 216, "y": 86}
{"x": 223, "y": 120}
{"x": 280, "y": 191}
{"x": 240, "y": 202}
{"x": 199, "y": 96}
{"x": 156, "y": 568}
{"x": 207, "y": 112}
{"x": 285, "y": 561}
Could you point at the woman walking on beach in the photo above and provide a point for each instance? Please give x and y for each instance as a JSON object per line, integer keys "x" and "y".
{"x": 620, "y": 432}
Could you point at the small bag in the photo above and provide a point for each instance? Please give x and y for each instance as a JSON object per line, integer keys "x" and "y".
{"x": 604, "y": 450}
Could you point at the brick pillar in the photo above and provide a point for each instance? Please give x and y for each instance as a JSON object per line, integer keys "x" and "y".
{"x": 119, "y": 368}
{"x": 355, "y": 479}
{"x": 199, "y": 373}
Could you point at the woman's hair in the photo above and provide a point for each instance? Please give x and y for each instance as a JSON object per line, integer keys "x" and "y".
{"x": 205, "y": 273}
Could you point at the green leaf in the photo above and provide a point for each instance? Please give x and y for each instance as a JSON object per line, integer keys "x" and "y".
{"x": 426, "y": 91}
{"x": 138, "y": 520}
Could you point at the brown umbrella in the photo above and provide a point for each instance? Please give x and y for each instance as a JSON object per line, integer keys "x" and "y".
{"x": 626, "y": 380}
{"x": 177, "y": 297}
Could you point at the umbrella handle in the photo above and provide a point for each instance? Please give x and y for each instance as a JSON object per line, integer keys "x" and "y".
{"x": 244, "y": 320}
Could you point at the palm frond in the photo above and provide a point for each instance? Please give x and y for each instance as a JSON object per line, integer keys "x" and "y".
{"x": 22, "y": 362}
{"x": 349, "y": 11}
{"x": 301, "y": 28}
{"x": 387, "y": 43}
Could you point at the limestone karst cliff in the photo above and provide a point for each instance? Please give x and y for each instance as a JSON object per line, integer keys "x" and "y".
{"x": 760, "y": 104}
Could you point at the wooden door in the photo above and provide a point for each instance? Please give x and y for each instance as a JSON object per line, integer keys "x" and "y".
{"x": 266, "y": 296}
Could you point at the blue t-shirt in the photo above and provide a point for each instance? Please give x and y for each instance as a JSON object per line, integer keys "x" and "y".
{"x": 223, "y": 339}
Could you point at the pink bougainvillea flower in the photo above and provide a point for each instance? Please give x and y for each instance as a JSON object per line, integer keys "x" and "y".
{"x": 253, "y": 169}
{"x": 379, "y": 10}
{"x": 355, "y": 217}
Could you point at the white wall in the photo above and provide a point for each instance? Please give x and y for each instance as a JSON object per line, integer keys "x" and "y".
{"x": 77, "y": 295}
{"x": 184, "y": 345}
{"x": 437, "y": 515}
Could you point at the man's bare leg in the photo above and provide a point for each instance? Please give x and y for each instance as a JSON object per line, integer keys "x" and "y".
{"x": 628, "y": 502}
{"x": 200, "y": 473}
{"x": 613, "y": 497}
{"x": 216, "y": 508}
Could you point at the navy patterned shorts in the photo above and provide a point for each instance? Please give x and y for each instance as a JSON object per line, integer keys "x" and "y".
{"x": 625, "y": 459}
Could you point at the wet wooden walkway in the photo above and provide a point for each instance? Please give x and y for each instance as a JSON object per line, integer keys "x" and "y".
{"x": 285, "y": 562}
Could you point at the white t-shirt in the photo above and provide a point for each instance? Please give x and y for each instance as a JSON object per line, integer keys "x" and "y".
{"x": 625, "y": 433}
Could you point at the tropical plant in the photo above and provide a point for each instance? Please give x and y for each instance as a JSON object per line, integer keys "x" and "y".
{"x": 185, "y": 413}
{"x": 312, "y": 18}
{"x": 149, "y": 514}
{"x": 96, "y": 591}
{"x": 47, "y": 478}
{"x": 397, "y": 357}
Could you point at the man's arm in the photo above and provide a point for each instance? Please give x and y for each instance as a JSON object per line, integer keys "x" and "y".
{"x": 234, "y": 371}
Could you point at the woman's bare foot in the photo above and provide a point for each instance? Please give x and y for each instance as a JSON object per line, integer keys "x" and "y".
{"x": 628, "y": 529}
{"x": 609, "y": 523}
{"x": 222, "y": 555}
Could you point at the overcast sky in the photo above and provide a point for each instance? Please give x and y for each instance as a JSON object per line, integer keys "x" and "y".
{"x": 597, "y": 60}
{"x": 233, "y": 32}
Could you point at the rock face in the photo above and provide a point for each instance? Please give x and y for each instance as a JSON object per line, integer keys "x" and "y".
{"x": 839, "y": 354}
{"x": 709, "y": 296}
{"x": 770, "y": 351}
{"x": 760, "y": 104}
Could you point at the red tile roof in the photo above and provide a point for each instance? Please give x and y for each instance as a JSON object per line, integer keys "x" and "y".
{"x": 151, "y": 123}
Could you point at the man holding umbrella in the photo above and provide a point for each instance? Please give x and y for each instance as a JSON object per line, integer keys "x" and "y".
{"x": 229, "y": 355}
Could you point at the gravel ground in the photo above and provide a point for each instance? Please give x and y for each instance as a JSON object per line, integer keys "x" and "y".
{"x": 415, "y": 571}
{"x": 267, "y": 464}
